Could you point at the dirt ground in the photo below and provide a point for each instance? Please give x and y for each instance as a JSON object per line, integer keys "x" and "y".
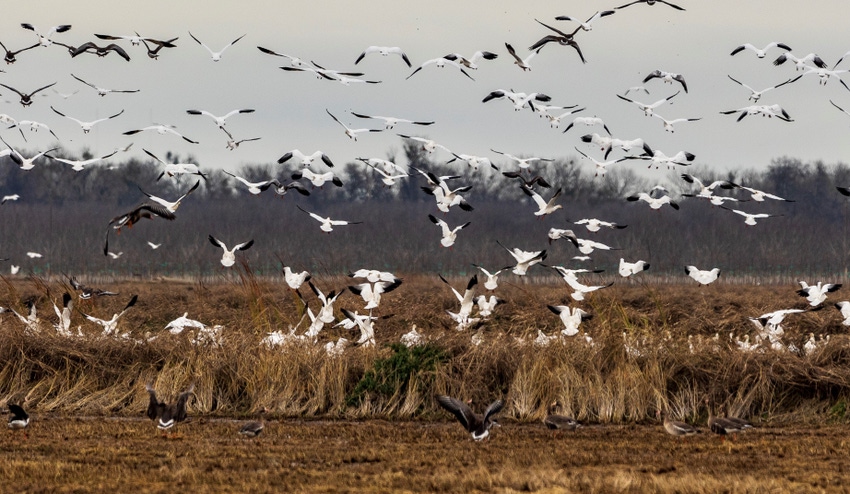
{"x": 64, "y": 454}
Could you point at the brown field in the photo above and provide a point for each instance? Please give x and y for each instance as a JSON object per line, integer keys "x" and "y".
{"x": 128, "y": 455}
{"x": 367, "y": 421}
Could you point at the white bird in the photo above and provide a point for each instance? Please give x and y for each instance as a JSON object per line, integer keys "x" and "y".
{"x": 24, "y": 163}
{"x": 34, "y": 127}
{"x": 216, "y": 55}
{"x": 440, "y": 63}
{"x": 327, "y": 224}
{"x": 543, "y": 207}
{"x": 492, "y": 278}
{"x": 768, "y": 111}
{"x": 558, "y": 233}
{"x": 523, "y": 163}
{"x": 14, "y": 269}
{"x": 654, "y": 202}
{"x": 825, "y": 74}
{"x": 111, "y": 325}
{"x": 374, "y": 275}
{"x": 295, "y": 280}
{"x": 385, "y": 51}
{"x": 446, "y": 198}
{"x": 34, "y": 255}
{"x": 174, "y": 169}
{"x": 306, "y": 159}
{"x": 449, "y": 234}
{"x": 229, "y": 257}
{"x": 466, "y": 300}
{"x": 169, "y": 205}
{"x": 222, "y": 120}
{"x": 594, "y": 225}
{"x": 371, "y": 292}
{"x": 555, "y": 120}
{"x": 388, "y": 166}
{"x": 750, "y": 219}
{"x": 474, "y": 162}
{"x": 571, "y": 317}
{"x": 161, "y": 130}
{"x": 44, "y": 38}
{"x": 760, "y": 52}
{"x": 351, "y": 133}
{"x": 605, "y": 143}
{"x": 412, "y": 338}
{"x": 391, "y": 122}
{"x": 636, "y": 89}
{"x": 649, "y": 107}
{"x": 658, "y": 158}
{"x": 589, "y": 122}
{"x": 154, "y": 246}
{"x": 428, "y": 145}
{"x": 178, "y": 325}
{"x": 520, "y": 100}
{"x": 579, "y": 289}
{"x": 588, "y": 24}
{"x": 816, "y": 294}
{"x": 233, "y": 143}
{"x": 115, "y": 255}
{"x": 844, "y": 308}
{"x": 317, "y": 179}
{"x": 326, "y": 313}
{"x": 586, "y": 246}
{"x": 293, "y": 61}
{"x": 667, "y": 78}
{"x": 668, "y": 124}
{"x": 486, "y": 305}
{"x": 255, "y": 187}
{"x": 601, "y": 166}
{"x": 471, "y": 62}
{"x": 760, "y": 196}
{"x": 522, "y": 63}
{"x": 707, "y": 191}
{"x": 63, "y": 325}
{"x": 800, "y": 63}
{"x": 79, "y": 165}
{"x": 627, "y": 269}
{"x": 102, "y": 91}
{"x": 524, "y": 259}
{"x": 756, "y": 95}
{"x": 86, "y": 126}
{"x": 389, "y": 179}
{"x": 366, "y": 325}
{"x": 11, "y": 197}
{"x": 703, "y": 277}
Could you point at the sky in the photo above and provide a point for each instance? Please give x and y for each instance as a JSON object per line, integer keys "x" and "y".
{"x": 291, "y": 106}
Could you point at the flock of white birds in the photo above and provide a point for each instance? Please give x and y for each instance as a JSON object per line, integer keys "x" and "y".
{"x": 449, "y": 192}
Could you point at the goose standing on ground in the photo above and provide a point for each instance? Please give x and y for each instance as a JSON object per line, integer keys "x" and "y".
{"x": 102, "y": 91}
{"x": 165, "y": 415}
{"x": 760, "y": 52}
{"x": 385, "y": 51}
{"x": 675, "y": 427}
{"x": 216, "y": 55}
{"x": 555, "y": 421}
{"x": 228, "y": 259}
{"x": 351, "y": 133}
{"x": 86, "y": 126}
{"x": 449, "y": 234}
{"x": 327, "y": 224}
{"x": 19, "y": 420}
{"x": 44, "y": 38}
{"x": 725, "y": 425}
{"x": 703, "y": 277}
{"x": 476, "y": 424}
{"x": 26, "y": 98}
{"x": 251, "y": 429}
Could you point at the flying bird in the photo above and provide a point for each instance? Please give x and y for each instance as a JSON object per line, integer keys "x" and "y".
{"x": 86, "y": 126}
{"x": 10, "y": 56}
{"x": 102, "y": 91}
{"x": 385, "y": 51}
{"x": 101, "y": 51}
{"x": 327, "y": 224}
{"x": 164, "y": 414}
{"x": 216, "y": 55}
{"x": 561, "y": 38}
{"x": 650, "y": 3}
{"x": 255, "y": 187}
{"x": 760, "y": 52}
{"x": 701, "y": 276}
{"x": 351, "y": 133}
{"x": 751, "y": 219}
{"x": 449, "y": 234}
{"x": 522, "y": 63}
{"x": 390, "y": 122}
{"x": 222, "y": 120}
{"x": 161, "y": 130}
{"x": 648, "y": 107}
{"x": 756, "y": 95}
{"x": 44, "y": 38}
{"x": 26, "y": 98}
{"x": 477, "y": 425}
{"x": 228, "y": 259}
{"x": 440, "y": 63}
{"x": 588, "y": 24}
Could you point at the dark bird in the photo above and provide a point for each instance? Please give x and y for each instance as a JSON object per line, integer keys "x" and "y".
{"x": 19, "y": 419}
{"x": 251, "y": 429}
{"x": 561, "y": 38}
{"x": 556, "y": 421}
{"x": 26, "y": 98}
{"x": 477, "y": 425}
{"x": 10, "y": 54}
{"x": 87, "y": 292}
{"x": 537, "y": 179}
{"x": 167, "y": 415}
{"x": 651, "y": 2}
{"x": 145, "y": 210}
{"x": 158, "y": 44}
{"x": 100, "y": 51}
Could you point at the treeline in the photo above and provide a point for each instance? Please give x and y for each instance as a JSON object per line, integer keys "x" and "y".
{"x": 63, "y": 215}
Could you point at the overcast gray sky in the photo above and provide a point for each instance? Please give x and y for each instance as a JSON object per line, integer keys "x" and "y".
{"x": 620, "y": 51}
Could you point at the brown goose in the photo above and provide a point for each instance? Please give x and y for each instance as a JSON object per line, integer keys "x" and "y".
{"x": 477, "y": 425}
{"x": 725, "y": 425}
{"x": 251, "y": 429}
{"x": 674, "y": 427}
{"x": 167, "y": 415}
{"x": 556, "y": 421}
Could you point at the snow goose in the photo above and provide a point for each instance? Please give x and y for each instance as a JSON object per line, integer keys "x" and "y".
{"x": 588, "y": 24}
{"x": 524, "y": 259}
{"x": 571, "y": 317}
{"x": 161, "y": 129}
{"x": 594, "y": 225}
{"x": 171, "y": 206}
{"x": 760, "y": 52}
{"x": 467, "y": 299}
{"x": 800, "y": 63}
{"x": 24, "y": 163}
{"x": 387, "y": 166}
{"x": 707, "y": 190}
{"x": 750, "y": 219}
{"x": 528, "y": 182}
{"x": 295, "y": 280}
{"x": 654, "y": 202}
{"x": 115, "y": 255}
{"x": 79, "y": 165}
{"x": 580, "y": 289}
{"x": 371, "y": 292}
{"x": 351, "y": 133}
{"x": 522, "y": 63}
{"x": 523, "y": 163}
{"x": 668, "y": 124}
{"x": 233, "y": 143}
{"x": 34, "y": 127}
{"x": 605, "y": 143}
{"x": 555, "y": 120}
{"x": 326, "y": 313}
{"x": 648, "y": 108}
{"x": 391, "y": 122}
{"x": 216, "y": 55}
{"x": 44, "y": 38}
{"x": 154, "y": 246}
{"x": 327, "y": 224}
{"x": 492, "y": 278}
{"x": 374, "y": 275}
{"x": 554, "y": 420}
{"x": 175, "y": 169}
{"x": 306, "y": 159}
{"x": 20, "y": 419}
{"x": 586, "y": 246}
{"x": 153, "y": 53}
{"x": 86, "y": 126}
{"x": 222, "y": 120}
{"x": 703, "y": 277}
{"x": 110, "y": 326}
{"x": 658, "y": 158}
{"x": 560, "y": 37}
{"x": 63, "y": 325}
{"x": 486, "y": 305}
{"x": 519, "y": 99}
{"x": 825, "y": 74}
{"x": 255, "y": 188}
{"x": 476, "y": 424}
{"x": 10, "y": 56}
{"x": 449, "y": 234}
{"x": 317, "y": 179}
{"x": 167, "y": 415}
{"x": 100, "y": 51}
{"x": 428, "y": 145}
{"x": 558, "y": 233}
{"x": 667, "y": 78}
{"x": 26, "y": 98}
{"x": 844, "y": 308}
{"x": 11, "y": 197}
{"x": 756, "y": 95}
{"x": 628, "y": 269}
{"x": 366, "y": 324}
{"x": 769, "y": 111}
{"x": 543, "y": 207}
{"x": 601, "y": 166}
{"x": 474, "y": 162}
{"x": 228, "y": 259}
{"x": 471, "y": 62}
{"x": 440, "y": 63}
{"x": 650, "y": 3}
{"x": 674, "y": 427}
{"x": 293, "y": 61}
{"x": 816, "y": 294}
{"x": 446, "y": 197}
{"x": 412, "y": 338}
{"x": 389, "y": 179}
{"x": 385, "y": 51}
